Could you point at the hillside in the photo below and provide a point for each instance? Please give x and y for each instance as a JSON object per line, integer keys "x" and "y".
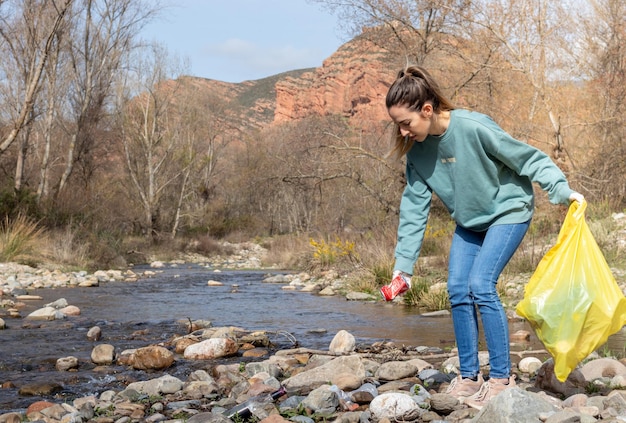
{"x": 352, "y": 82}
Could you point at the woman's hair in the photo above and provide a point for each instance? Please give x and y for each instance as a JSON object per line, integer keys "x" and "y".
{"x": 413, "y": 88}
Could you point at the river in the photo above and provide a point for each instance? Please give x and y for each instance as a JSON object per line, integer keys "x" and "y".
{"x": 137, "y": 314}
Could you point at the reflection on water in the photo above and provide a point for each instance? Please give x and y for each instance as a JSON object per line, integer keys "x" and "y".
{"x": 149, "y": 311}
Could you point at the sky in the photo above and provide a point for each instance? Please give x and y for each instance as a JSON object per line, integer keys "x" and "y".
{"x": 239, "y": 40}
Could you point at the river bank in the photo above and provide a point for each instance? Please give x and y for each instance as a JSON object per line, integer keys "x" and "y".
{"x": 229, "y": 364}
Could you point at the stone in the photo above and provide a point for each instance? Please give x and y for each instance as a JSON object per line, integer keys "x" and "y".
{"x": 514, "y": 405}
{"x": 343, "y": 342}
{"x": 529, "y": 365}
{"x": 66, "y": 363}
{"x": 602, "y": 367}
{"x": 152, "y": 357}
{"x": 43, "y": 388}
{"x": 395, "y": 370}
{"x": 94, "y": 333}
{"x": 10, "y": 417}
{"x": 547, "y": 380}
{"x": 103, "y": 354}
{"x": 70, "y": 310}
{"x": 211, "y": 348}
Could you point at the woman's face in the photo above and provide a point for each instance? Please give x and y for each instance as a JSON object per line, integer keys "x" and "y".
{"x": 414, "y": 124}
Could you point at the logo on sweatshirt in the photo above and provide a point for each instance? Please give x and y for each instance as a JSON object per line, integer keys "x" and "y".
{"x": 448, "y": 160}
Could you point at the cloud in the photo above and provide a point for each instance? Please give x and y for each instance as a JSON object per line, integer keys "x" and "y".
{"x": 256, "y": 58}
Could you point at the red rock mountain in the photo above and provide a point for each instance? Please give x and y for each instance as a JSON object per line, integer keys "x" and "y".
{"x": 352, "y": 83}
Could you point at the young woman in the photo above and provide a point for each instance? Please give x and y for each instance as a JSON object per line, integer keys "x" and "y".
{"x": 484, "y": 178}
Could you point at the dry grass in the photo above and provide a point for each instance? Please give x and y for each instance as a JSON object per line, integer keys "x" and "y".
{"x": 287, "y": 251}
{"x": 66, "y": 247}
{"x": 20, "y": 240}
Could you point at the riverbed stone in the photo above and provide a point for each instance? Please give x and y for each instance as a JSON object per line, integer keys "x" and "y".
{"x": 46, "y": 313}
{"x": 70, "y": 310}
{"x": 94, "y": 333}
{"x": 515, "y": 405}
{"x": 165, "y": 384}
{"x": 211, "y": 348}
{"x": 37, "y": 406}
{"x": 66, "y": 363}
{"x": 39, "y": 388}
{"x": 343, "y": 342}
{"x": 395, "y": 370}
{"x": 103, "y": 354}
{"x": 601, "y": 368}
{"x": 546, "y": 380}
{"x": 10, "y": 418}
{"x": 152, "y": 357}
{"x": 529, "y": 365}
{"x": 308, "y": 380}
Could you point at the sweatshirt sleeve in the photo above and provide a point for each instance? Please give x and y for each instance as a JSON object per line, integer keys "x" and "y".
{"x": 414, "y": 208}
{"x": 526, "y": 160}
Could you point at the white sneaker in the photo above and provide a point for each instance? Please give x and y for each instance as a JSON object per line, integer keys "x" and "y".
{"x": 490, "y": 389}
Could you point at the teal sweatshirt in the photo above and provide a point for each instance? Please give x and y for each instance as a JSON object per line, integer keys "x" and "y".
{"x": 481, "y": 174}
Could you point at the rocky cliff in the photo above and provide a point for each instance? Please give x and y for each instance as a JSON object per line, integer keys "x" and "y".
{"x": 352, "y": 82}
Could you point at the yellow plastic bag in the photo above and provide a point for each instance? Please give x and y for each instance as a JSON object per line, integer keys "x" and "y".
{"x": 572, "y": 300}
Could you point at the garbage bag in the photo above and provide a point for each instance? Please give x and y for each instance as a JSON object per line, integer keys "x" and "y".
{"x": 572, "y": 300}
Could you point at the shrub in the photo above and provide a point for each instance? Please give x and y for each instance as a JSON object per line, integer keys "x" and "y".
{"x": 326, "y": 254}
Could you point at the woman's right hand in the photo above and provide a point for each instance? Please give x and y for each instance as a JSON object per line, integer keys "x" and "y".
{"x": 576, "y": 196}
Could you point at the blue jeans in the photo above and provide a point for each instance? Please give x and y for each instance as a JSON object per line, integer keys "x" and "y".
{"x": 476, "y": 261}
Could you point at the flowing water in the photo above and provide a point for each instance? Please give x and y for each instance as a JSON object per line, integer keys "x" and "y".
{"x": 149, "y": 311}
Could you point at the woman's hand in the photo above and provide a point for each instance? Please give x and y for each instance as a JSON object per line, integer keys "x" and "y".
{"x": 576, "y": 196}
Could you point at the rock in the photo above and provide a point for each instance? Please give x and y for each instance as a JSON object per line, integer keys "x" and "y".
{"x": 343, "y": 342}
{"x": 181, "y": 344}
{"x": 547, "y": 380}
{"x": 602, "y": 367}
{"x": 395, "y": 370}
{"x": 360, "y": 296}
{"x": 344, "y": 85}
{"x": 256, "y": 352}
{"x": 308, "y": 380}
{"x": 321, "y": 400}
{"x": 10, "y": 417}
{"x": 44, "y": 388}
{"x": 529, "y": 365}
{"x": 67, "y": 363}
{"x": 515, "y": 405}
{"x": 161, "y": 386}
{"x": 37, "y": 406}
{"x": 46, "y": 313}
{"x": 94, "y": 333}
{"x": 210, "y": 349}
{"x": 443, "y": 403}
{"x": 3, "y": 325}
{"x": 70, "y": 310}
{"x": 153, "y": 357}
{"x": 58, "y": 304}
{"x": 103, "y": 354}
{"x": 520, "y": 336}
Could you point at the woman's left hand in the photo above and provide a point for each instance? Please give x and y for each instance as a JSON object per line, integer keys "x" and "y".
{"x": 576, "y": 196}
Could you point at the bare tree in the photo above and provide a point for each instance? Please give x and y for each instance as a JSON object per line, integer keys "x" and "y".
{"x": 29, "y": 34}
{"x": 101, "y": 37}
{"x": 411, "y": 29}
{"x": 150, "y": 133}
{"x": 604, "y": 55}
